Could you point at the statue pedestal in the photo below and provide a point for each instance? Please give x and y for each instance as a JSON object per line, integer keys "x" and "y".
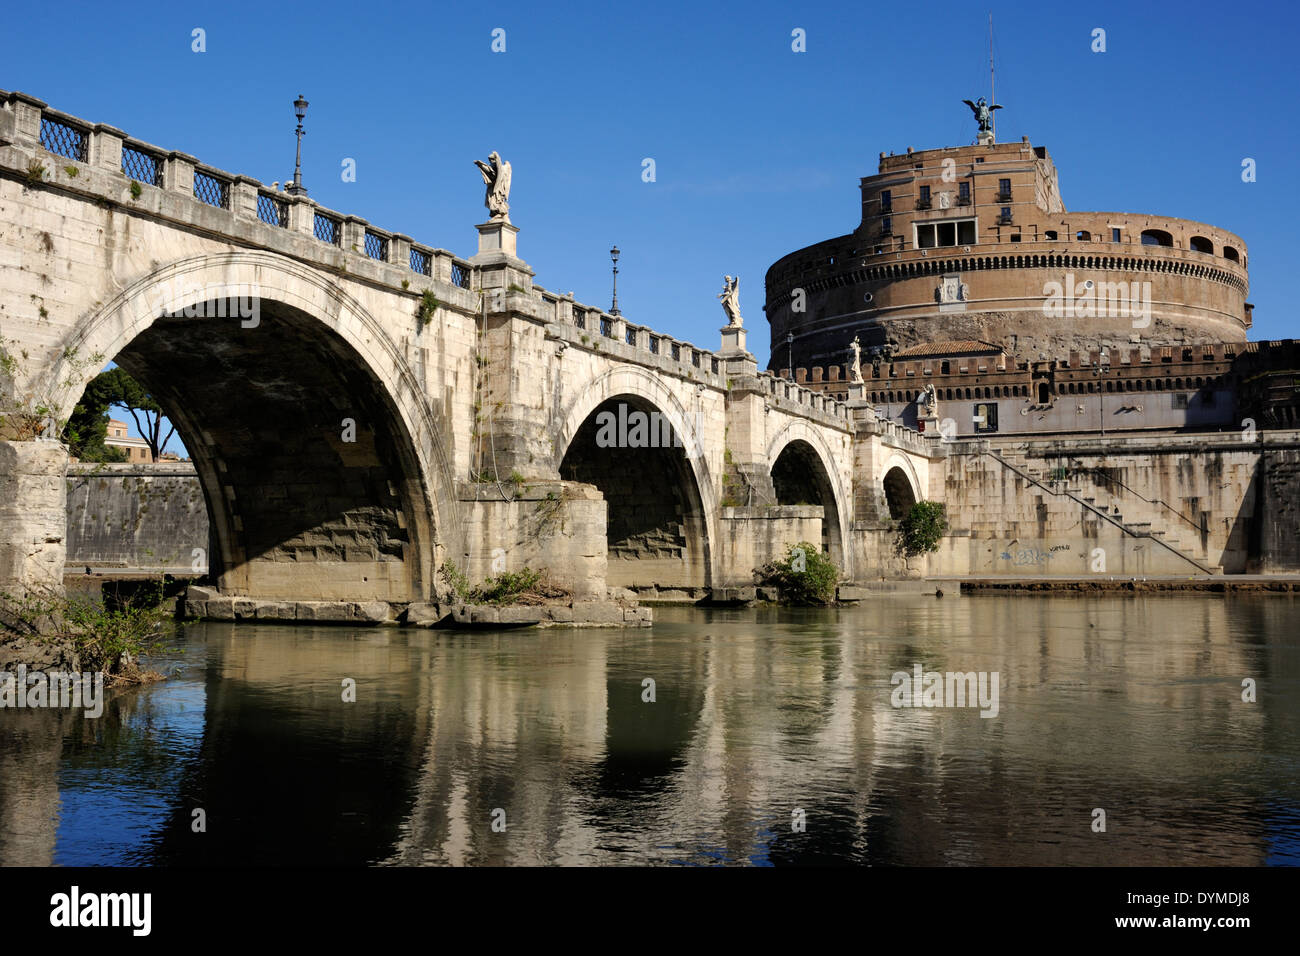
{"x": 733, "y": 339}
{"x": 985, "y": 138}
{"x": 928, "y": 424}
{"x": 497, "y": 236}
{"x": 858, "y": 392}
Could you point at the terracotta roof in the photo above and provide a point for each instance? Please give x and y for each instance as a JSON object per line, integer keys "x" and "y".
{"x": 943, "y": 349}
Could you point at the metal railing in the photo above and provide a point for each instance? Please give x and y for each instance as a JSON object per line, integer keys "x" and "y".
{"x": 211, "y": 190}
{"x": 71, "y": 142}
{"x": 328, "y": 229}
{"x": 142, "y": 166}
{"x": 421, "y": 262}
{"x": 460, "y": 275}
{"x": 272, "y": 210}
{"x": 376, "y": 246}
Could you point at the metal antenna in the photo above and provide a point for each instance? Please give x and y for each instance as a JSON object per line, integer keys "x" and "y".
{"x": 993, "y": 95}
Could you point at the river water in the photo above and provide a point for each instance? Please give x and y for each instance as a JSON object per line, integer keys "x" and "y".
{"x": 772, "y": 738}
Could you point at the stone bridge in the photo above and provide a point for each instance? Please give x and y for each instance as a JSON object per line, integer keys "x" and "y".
{"x": 363, "y": 409}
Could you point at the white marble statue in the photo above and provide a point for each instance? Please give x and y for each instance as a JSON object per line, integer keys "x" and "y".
{"x": 855, "y": 370}
{"x": 496, "y": 176}
{"x": 730, "y": 298}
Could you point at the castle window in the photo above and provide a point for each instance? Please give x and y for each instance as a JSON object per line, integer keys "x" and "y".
{"x": 1050, "y": 235}
{"x": 986, "y": 417}
{"x": 886, "y": 201}
{"x": 1044, "y": 396}
{"x": 887, "y": 224}
{"x": 1230, "y": 253}
{"x": 1201, "y": 244}
{"x": 956, "y": 232}
{"x": 1083, "y": 235}
{"x": 1156, "y": 237}
{"x": 963, "y": 194}
{"x": 1004, "y": 190}
{"x": 924, "y": 200}
{"x": 1114, "y": 235}
{"x": 945, "y": 368}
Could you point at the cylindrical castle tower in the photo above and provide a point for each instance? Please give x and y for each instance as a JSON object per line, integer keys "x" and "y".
{"x": 974, "y": 243}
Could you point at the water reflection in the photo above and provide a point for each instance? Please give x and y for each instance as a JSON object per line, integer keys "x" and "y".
{"x": 1130, "y": 704}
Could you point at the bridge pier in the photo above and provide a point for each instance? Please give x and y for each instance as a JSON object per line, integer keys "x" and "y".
{"x": 33, "y": 515}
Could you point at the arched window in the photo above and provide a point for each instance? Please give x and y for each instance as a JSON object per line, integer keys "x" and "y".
{"x": 1200, "y": 244}
{"x": 1083, "y": 235}
{"x": 1044, "y": 396}
{"x": 1156, "y": 237}
{"x": 1231, "y": 253}
{"x": 1050, "y": 235}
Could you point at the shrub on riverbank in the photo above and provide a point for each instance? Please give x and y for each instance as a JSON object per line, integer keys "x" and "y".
{"x": 921, "y": 528}
{"x": 525, "y": 586}
{"x": 45, "y": 625}
{"x": 806, "y": 576}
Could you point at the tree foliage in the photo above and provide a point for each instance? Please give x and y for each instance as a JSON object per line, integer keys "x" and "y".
{"x": 922, "y": 527}
{"x": 88, "y": 425}
{"x": 806, "y": 575}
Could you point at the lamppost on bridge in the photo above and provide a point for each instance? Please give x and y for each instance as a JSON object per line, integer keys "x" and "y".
{"x": 296, "y": 188}
{"x": 613, "y": 254}
{"x": 789, "y": 344}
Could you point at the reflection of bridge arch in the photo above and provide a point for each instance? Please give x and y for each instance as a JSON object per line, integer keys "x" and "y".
{"x": 615, "y": 472}
{"x": 900, "y": 485}
{"x": 261, "y": 409}
{"x": 799, "y": 438}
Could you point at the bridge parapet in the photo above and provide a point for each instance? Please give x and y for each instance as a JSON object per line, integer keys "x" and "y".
{"x": 106, "y": 163}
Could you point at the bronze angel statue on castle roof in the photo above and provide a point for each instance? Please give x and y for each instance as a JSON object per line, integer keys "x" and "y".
{"x": 983, "y": 113}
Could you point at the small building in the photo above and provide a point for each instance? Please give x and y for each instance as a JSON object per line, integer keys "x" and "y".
{"x": 137, "y": 449}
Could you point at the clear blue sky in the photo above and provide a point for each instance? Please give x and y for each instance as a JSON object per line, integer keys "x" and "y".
{"x": 758, "y": 149}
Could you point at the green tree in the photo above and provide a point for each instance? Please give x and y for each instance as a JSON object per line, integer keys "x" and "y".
{"x": 89, "y": 422}
{"x": 922, "y": 527}
{"x": 806, "y": 575}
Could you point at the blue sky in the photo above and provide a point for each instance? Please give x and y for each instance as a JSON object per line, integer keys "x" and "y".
{"x": 758, "y": 149}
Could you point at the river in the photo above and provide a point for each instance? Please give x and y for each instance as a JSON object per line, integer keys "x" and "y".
{"x": 772, "y": 737}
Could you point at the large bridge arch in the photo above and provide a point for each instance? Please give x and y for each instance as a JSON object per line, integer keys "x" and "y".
{"x": 316, "y": 345}
{"x": 647, "y": 392}
{"x": 798, "y": 435}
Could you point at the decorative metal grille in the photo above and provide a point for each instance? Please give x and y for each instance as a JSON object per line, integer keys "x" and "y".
{"x": 376, "y": 246}
{"x": 272, "y": 210}
{"x": 579, "y": 318}
{"x": 695, "y": 359}
{"x": 654, "y": 344}
{"x": 141, "y": 166}
{"x": 65, "y": 140}
{"x": 677, "y": 352}
{"x": 630, "y": 335}
{"x": 715, "y": 366}
{"x": 327, "y": 229}
{"x": 420, "y": 262}
{"x": 606, "y": 327}
{"x": 459, "y": 275}
{"x": 211, "y": 190}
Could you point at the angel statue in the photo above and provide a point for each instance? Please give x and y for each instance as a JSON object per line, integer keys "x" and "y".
{"x": 855, "y": 370}
{"x": 496, "y": 176}
{"x": 983, "y": 113}
{"x": 730, "y": 297}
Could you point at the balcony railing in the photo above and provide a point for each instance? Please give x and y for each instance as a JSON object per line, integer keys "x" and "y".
{"x": 211, "y": 190}
{"x": 273, "y": 210}
{"x": 327, "y": 229}
{"x": 1004, "y": 197}
{"x": 376, "y": 246}
{"x": 142, "y": 165}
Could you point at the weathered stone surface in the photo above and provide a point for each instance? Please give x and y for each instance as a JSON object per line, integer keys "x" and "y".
{"x": 597, "y": 612}
{"x": 638, "y": 615}
{"x": 276, "y": 611}
{"x": 522, "y": 615}
{"x": 221, "y": 609}
{"x": 374, "y": 612}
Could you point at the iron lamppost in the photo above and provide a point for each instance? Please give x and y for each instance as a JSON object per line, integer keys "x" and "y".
{"x": 614, "y": 254}
{"x": 297, "y": 188}
{"x": 789, "y": 344}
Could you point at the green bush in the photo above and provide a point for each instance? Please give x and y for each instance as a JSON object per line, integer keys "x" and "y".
{"x": 921, "y": 528}
{"x": 105, "y": 639}
{"x": 806, "y": 576}
{"x": 505, "y": 588}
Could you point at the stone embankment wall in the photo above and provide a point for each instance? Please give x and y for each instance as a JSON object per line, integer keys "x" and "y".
{"x": 136, "y": 516}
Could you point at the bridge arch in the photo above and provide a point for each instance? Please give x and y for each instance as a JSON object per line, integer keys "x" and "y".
{"x": 684, "y": 467}
{"x": 310, "y": 354}
{"x": 812, "y": 454}
{"x": 900, "y": 486}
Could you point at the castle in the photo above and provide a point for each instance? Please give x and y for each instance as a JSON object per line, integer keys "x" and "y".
{"x": 967, "y": 274}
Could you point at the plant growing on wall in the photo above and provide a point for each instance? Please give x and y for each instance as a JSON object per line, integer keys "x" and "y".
{"x": 428, "y": 306}
{"x": 921, "y": 528}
